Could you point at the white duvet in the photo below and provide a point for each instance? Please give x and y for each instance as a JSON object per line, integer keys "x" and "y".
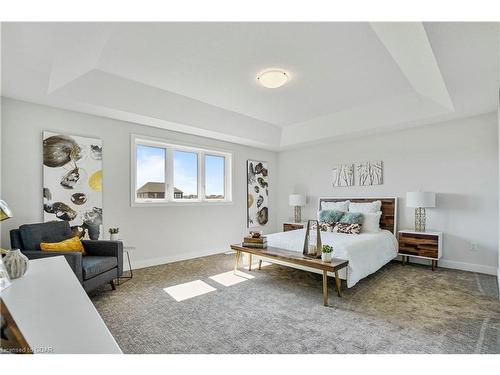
{"x": 366, "y": 252}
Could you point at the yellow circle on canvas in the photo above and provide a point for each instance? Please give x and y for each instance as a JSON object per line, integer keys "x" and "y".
{"x": 250, "y": 200}
{"x": 95, "y": 181}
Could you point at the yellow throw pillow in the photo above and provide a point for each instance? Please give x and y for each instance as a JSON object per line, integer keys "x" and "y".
{"x": 71, "y": 244}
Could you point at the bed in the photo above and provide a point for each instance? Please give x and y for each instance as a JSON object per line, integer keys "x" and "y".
{"x": 366, "y": 252}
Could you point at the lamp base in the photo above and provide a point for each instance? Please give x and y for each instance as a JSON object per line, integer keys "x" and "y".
{"x": 297, "y": 214}
{"x": 420, "y": 219}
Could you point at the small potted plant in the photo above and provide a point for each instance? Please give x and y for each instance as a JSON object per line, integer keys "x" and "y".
{"x": 326, "y": 253}
{"x": 113, "y": 234}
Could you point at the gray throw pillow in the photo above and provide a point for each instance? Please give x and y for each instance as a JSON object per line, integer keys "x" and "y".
{"x": 330, "y": 216}
{"x": 352, "y": 218}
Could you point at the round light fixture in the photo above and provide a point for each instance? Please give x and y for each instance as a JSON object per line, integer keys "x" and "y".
{"x": 272, "y": 78}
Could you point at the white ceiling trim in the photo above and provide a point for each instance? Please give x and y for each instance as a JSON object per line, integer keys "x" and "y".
{"x": 409, "y": 46}
{"x": 377, "y": 115}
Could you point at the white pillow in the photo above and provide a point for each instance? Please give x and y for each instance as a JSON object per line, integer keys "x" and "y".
{"x": 339, "y": 206}
{"x": 369, "y": 207}
{"x": 371, "y": 222}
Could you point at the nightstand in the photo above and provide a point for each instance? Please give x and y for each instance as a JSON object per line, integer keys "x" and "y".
{"x": 424, "y": 245}
{"x": 293, "y": 226}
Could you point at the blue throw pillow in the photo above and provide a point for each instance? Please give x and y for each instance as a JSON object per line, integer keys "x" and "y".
{"x": 352, "y": 218}
{"x": 330, "y": 216}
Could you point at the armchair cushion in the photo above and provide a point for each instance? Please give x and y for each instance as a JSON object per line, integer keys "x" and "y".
{"x": 105, "y": 248}
{"x": 34, "y": 234}
{"x": 95, "y": 265}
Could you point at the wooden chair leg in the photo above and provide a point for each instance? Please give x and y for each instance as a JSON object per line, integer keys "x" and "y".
{"x": 113, "y": 286}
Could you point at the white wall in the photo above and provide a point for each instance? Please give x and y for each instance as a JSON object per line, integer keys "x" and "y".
{"x": 457, "y": 159}
{"x": 161, "y": 234}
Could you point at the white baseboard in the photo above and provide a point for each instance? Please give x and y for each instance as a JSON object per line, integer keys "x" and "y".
{"x": 479, "y": 268}
{"x": 471, "y": 267}
{"x": 168, "y": 259}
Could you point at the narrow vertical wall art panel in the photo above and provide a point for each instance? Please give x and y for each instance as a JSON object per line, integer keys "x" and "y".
{"x": 343, "y": 175}
{"x": 257, "y": 193}
{"x": 72, "y": 182}
{"x": 370, "y": 173}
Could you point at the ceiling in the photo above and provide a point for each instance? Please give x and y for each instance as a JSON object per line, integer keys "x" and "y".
{"x": 347, "y": 79}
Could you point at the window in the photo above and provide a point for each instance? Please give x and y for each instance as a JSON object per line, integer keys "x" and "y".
{"x": 150, "y": 167}
{"x": 185, "y": 175}
{"x": 214, "y": 177}
{"x": 166, "y": 173}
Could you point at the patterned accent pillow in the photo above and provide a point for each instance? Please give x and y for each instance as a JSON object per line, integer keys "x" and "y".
{"x": 323, "y": 226}
{"x": 330, "y": 216}
{"x": 347, "y": 228}
{"x": 352, "y": 218}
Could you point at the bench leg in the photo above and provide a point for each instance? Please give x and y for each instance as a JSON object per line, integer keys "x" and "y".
{"x": 337, "y": 283}
{"x": 325, "y": 289}
{"x": 260, "y": 264}
{"x": 237, "y": 260}
{"x": 249, "y": 262}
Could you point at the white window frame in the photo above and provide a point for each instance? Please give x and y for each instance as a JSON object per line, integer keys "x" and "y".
{"x": 169, "y": 147}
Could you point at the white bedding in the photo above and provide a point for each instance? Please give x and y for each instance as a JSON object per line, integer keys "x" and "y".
{"x": 366, "y": 252}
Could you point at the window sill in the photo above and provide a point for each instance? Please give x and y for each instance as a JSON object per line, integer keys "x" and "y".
{"x": 181, "y": 203}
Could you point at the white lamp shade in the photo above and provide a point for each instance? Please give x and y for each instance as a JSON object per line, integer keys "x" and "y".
{"x": 296, "y": 200}
{"x": 424, "y": 199}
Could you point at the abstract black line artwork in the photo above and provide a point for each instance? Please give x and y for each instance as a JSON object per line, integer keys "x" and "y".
{"x": 72, "y": 182}
{"x": 257, "y": 193}
{"x": 343, "y": 175}
{"x": 370, "y": 173}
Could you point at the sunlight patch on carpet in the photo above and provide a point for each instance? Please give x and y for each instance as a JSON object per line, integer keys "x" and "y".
{"x": 192, "y": 289}
{"x": 255, "y": 266}
{"x": 231, "y": 277}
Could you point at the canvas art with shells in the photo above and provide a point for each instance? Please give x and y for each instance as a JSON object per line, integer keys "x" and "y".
{"x": 258, "y": 193}
{"x": 72, "y": 182}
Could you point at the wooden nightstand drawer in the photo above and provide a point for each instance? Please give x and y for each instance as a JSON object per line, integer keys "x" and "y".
{"x": 423, "y": 245}
{"x": 288, "y": 226}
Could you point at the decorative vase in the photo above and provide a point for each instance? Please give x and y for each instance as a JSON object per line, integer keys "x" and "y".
{"x": 16, "y": 263}
{"x": 114, "y": 237}
{"x": 326, "y": 257}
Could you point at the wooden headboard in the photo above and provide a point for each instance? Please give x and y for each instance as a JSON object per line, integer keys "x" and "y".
{"x": 389, "y": 209}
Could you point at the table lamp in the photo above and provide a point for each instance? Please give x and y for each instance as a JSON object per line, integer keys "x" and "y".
{"x": 297, "y": 201}
{"x": 420, "y": 200}
{"x": 5, "y": 213}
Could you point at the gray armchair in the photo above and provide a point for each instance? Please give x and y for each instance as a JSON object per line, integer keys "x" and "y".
{"x": 102, "y": 264}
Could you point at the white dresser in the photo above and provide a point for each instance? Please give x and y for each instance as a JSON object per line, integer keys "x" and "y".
{"x": 53, "y": 312}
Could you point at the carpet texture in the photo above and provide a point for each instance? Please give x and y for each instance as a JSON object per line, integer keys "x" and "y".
{"x": 399, "y": 309}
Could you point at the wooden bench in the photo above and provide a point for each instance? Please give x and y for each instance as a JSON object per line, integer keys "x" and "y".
{"x": 294, "y": 257}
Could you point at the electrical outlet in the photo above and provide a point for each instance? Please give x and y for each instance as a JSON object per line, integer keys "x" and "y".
{"x": 474, "y": 246}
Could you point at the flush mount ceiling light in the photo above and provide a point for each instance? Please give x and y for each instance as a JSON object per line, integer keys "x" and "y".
{"x": 272, "y": 78}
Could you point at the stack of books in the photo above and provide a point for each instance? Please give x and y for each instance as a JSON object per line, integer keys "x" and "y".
{"x": 255, "y": 242}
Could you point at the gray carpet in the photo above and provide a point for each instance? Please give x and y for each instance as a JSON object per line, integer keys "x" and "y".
{"x": 399, "y": 309}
